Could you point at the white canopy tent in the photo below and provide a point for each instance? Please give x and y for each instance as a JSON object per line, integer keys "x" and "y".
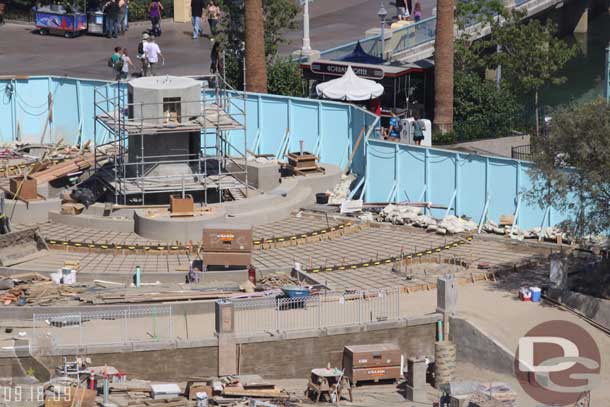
{"x": 350, "y": 87}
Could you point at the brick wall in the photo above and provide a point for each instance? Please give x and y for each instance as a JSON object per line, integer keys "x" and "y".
{"x": 296, "y": 357}
{"x": 162, "y": 365}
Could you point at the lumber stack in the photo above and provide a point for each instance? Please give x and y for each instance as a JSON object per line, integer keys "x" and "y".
{"x": 64, "y": 168}
{"x": 35, "y": 289}
{"x": 133, "y": 296}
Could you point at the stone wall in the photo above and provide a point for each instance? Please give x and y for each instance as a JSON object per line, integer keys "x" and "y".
{"x": 287, "y": 355}
{"x": 296, "y": 357}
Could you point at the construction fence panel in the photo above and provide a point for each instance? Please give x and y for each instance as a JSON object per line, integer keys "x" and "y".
{"x": 255, "y": 316}
{"x": 54, "y": 332}
{"x": 326, "y": 310}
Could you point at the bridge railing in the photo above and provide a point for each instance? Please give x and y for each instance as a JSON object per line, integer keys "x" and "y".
{"x": 371, "y": 45}
{"x": 410, "y": 36}
{"x": 415, "y": 34}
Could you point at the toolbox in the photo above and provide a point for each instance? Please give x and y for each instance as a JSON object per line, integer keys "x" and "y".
{"x": 232, "y": 238}
{"x": 227, "y": 245}
{"x": 372, "y": 362}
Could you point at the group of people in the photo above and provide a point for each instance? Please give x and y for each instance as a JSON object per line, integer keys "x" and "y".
{"x": 149, "y": 55}
{"x": 117, "y": 15}
{"x": 394, "y": 129}
{"x": 211, "y": 11}
{"x": 405, "y": 11}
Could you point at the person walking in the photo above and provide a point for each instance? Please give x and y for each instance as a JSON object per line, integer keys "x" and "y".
{"x": 216, "y": 59}
{"x": 125, "y": 21}
{"x": 116, "y": 62}
{"x": 153, "y": 54}
{"x": 402, "y": 12}
{"x": 418, "y": 130}
{"x": 155, "y": 10}
{"x": 213, "y": 14}
{"x": 142, "y": 54}
{"x": 417, "y": 11}
{"x": 111, "y": 9}
{"x": 126, "y": 64}
{"x": 121, "y": 18}
{"x": 196, "y": 13}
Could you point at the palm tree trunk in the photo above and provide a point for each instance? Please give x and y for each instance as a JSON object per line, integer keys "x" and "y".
{"x": 537, "y": 115}
{"x": 443, "y": 69}
{"x": 256, "y": 68}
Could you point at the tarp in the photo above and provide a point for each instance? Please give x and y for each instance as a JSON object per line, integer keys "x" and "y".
{"x": 350, "y": 87}
{"x": 359, "y": 55}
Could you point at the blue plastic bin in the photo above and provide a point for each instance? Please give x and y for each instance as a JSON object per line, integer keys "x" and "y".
{"x": 536, "y": 294}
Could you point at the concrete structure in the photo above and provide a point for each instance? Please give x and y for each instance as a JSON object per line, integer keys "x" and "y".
{"x": 155, "y": 100}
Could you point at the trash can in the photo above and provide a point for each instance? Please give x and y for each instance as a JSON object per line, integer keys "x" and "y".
{"x": 96, "y": 23}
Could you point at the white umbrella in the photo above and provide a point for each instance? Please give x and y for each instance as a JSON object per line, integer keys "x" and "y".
{"x": 350, "y": 87}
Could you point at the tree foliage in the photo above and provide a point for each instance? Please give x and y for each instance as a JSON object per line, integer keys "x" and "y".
{"x": 529, "y": 55}
{"x": 481, "y": 109}
{"x": 279, "y": 16}
{"x": 572, "y": 166}
{"x": 284, "y": 76}
{"x": 532, "y": 55}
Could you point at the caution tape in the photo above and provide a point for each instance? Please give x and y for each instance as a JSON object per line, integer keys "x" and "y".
{"x": 389, "y": 260}
{"x": 182, "y": 247}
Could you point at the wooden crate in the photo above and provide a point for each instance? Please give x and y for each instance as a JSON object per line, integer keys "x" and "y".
{"x": 179, "y": 206}
{"x": 24, "y": 188}
{"x": 305, "y": 161}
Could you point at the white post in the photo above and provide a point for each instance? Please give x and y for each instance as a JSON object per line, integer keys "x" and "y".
{"x": 306, "y": 41}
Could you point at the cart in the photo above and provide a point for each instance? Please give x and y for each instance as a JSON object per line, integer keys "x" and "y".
{"x": 96, "y": 23}
{"x": 67, "y": 24}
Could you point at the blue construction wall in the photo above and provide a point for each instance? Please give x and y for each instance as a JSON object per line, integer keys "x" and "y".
{"x": 25, "y": 105}
{"x": 276, "y": 124}
{"x": 463, "y": 182}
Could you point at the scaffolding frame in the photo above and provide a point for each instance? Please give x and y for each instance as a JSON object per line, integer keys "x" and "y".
{"x": 218, "y": 165}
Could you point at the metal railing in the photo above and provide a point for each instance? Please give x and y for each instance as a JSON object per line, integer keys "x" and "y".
{"x": 273, "y": 315}
{"x": 58, "y": 331}
{"x": 521, "y": 152}
{"x": 411, "y": 36}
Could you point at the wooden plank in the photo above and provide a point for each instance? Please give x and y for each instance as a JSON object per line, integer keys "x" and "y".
{"x": 241, "y": 392}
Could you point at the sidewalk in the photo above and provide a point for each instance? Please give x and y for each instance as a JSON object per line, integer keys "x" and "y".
{"x": 24, "y": 52}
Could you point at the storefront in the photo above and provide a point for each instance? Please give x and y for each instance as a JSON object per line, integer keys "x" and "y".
{"x": 408, "y": 88}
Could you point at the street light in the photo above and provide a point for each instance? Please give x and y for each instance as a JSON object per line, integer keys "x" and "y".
{"x": 382, "y": 14}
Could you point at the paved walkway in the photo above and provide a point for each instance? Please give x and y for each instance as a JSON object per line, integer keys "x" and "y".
{"x": 24, "y": 52}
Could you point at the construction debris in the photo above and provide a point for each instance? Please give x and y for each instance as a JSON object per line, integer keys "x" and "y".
{"x": 36, "y": 289}
{"x": 412, "y": 215}
{"x": 276, "y": 280}
{"x": 231, "y": 391}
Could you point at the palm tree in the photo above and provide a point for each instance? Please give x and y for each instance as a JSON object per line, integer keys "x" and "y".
{"x": 443, "y": 70}
{"x": 256, "y": 68}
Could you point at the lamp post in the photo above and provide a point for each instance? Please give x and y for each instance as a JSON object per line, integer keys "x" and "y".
{"x": 382, "y": 14}
{"x": 306, "y": 41}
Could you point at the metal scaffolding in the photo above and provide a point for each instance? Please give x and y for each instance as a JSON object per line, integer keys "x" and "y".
{"x": 217, "y": 165}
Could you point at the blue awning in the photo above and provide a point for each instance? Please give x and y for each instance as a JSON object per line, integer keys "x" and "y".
{"x": 359, "y": 55}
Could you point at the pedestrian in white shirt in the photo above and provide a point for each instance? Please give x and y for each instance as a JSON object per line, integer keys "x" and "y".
{"x": 153, "y": 54}
{"x": 126, "y": 64}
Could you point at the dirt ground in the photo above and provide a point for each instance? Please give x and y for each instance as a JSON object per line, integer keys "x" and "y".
{"x": 391, "y": 395}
